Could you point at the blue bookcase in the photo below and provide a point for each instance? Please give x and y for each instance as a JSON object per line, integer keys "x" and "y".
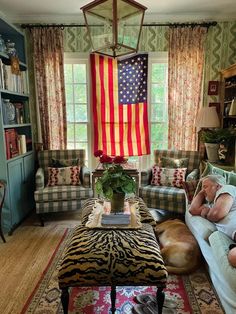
{"x": 16, "y": 146}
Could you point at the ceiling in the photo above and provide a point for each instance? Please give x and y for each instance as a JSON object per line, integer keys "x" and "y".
{"x": 68, "y": 11}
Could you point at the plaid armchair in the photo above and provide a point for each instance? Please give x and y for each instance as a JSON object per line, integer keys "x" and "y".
{"x": 169, "y": 198}
{"x": 60, "y": 198}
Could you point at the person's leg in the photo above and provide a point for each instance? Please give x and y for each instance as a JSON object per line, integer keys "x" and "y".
{"x": 232, "y": 257}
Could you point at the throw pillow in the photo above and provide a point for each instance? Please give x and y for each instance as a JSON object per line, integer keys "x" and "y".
{"x": 63, "y": 176}
{"x": 173, "y": 162}
{"x": 168, "y": 176}
{"x": 190, "y": 187}
{"x": 60, "y": 163}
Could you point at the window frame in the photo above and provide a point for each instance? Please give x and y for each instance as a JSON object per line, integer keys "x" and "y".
{"x": 83, "y": 58}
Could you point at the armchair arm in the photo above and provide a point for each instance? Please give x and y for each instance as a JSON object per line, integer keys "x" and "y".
{"x": 39, "y": 179}
{"x": 193, "y": 175}
{"x": 85, "y": 177}
{"x": 146, "y": 176}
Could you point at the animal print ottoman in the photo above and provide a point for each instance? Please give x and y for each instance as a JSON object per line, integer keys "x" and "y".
{"x": 112, "y": 257}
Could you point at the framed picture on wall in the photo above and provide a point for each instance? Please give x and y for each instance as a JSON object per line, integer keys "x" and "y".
{"x": 213, "y": 87}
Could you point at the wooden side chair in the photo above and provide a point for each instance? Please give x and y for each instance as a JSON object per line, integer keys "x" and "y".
{"x": 2, "y": 197}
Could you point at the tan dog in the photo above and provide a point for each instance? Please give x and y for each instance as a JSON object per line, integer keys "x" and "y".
{"x": 179, "y": 248}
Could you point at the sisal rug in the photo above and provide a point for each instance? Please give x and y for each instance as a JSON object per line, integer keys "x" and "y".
{"x": 193, "y": 293}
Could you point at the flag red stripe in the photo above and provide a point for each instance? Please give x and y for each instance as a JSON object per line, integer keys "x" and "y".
{"x": 95, "y": 117}
{"x": 145, "y": 123}
{"x": 121, "y": 131}
{"x": 103, "y": 103}
{"x": 130, "y": 137}
{"x": 111, "y": 97}
{"x": 137, "y": 126}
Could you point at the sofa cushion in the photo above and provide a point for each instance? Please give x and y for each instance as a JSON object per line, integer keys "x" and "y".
{"x": 168, "y": 176}
{"x": 201, "y": 226}
{"x": 63, "y": 192}
{"x": 63, "y": 176}
{"x": 230, "y": 177}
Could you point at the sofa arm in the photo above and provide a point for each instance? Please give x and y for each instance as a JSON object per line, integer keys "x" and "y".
{"x": 39, "y": 179}
{"x": 85, "y": 177}
{"x": 193, "y": 175}
{"x": 146, "y": 176}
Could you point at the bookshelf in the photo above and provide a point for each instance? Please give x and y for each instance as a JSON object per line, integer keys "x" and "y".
{"x": 16, "y": 145}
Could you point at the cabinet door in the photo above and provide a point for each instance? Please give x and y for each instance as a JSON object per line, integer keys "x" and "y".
{"x": 28, "y": 186}
{"x": 16, "y": 186}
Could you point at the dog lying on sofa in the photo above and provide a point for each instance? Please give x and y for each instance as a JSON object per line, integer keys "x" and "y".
{"x": 179, "y": 248}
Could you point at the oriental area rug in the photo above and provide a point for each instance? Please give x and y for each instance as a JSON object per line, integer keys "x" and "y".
{"x": 193, "y": 293}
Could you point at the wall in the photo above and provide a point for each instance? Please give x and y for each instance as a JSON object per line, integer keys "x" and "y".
{"x": 220, "y": 52}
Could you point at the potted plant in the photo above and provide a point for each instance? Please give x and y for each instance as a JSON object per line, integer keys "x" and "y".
{"x": 213, "y": 138}
{"x": 115, "y": 181}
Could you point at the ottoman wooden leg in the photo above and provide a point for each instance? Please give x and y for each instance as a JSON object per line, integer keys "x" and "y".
{"x": 160, "y": 299}
{"x": 113, "y": 299}
{"x": 65, "y": 299}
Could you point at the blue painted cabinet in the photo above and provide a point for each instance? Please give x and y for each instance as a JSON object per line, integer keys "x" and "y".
{"x": 16, "y": 145}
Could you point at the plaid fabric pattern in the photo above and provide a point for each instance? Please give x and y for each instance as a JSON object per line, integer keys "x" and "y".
{"x": 62, "y": 192}
{"x": 61, "y": 206}
{"x": 193, "y": 157}
{"x": 168, "y": 198}
{"x": 162, "y": 197}
{"x": 45, "y": 157}
{"x": 60, "y": 198}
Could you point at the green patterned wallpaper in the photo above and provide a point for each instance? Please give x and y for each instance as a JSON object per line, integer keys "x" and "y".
{"x": 220, "y": 51}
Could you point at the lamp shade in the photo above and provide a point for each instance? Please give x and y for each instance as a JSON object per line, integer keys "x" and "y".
{"x": 114, "y": 26}
{"x": 207, "y": 117}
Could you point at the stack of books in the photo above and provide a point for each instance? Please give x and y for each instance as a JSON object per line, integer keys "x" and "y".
{"x": 115, "y": 219}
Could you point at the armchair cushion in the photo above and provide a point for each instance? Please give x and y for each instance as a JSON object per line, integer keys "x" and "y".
{"x": 169, "y": 162}
{"x": 63, "y": 176}
{"x": 59, "y": 163}
{"x": 168, "y": 176}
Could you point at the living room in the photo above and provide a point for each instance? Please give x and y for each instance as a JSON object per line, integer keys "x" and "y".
{"x": 46, "y": 114}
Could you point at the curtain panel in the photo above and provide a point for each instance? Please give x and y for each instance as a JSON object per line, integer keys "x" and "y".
{"x": 48, "y": 51}
{"x": 185, "y": 74}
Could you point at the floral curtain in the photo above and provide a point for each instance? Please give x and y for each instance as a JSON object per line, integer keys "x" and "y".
{"x": 48, "y": 53}
{"x": 185, "y": 74}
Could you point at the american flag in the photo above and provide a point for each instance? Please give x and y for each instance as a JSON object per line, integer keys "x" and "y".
{"x": 119, "y": 100}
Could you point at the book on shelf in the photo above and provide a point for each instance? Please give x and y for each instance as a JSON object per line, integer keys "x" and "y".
{"x": 11, "y": 140}
{"x": 19, "y": 112}
{"x": 13, "y": 82}
{"x": 22, "y": 143}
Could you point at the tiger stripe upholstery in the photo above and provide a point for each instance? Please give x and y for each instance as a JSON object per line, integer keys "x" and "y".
{"x": 169, "y": 198}
{"x": 112, "y": 257}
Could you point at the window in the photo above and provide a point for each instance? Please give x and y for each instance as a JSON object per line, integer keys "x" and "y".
{"x": 158, "y": 106}
{"x": 77, "y": 104}
{"x": 158, "y": 100}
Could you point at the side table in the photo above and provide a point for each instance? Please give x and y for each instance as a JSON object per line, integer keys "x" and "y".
{"x": 127, "y": 167}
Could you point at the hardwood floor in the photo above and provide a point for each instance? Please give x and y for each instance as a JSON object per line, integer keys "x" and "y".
{"x": 25, "y": 255}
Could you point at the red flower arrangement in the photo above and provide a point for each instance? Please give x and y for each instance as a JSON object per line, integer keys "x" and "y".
{"x": 105, "y": 159}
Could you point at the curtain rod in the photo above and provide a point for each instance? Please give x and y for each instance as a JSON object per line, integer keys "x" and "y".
{"x": 204, "y": 24}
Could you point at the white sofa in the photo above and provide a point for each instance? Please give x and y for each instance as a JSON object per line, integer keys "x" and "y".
{"x": 215, "y": 247}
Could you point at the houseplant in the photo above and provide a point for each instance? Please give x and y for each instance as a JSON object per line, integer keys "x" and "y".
{"x": 214, "y": 137}
{"x": 115, "y": 182}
